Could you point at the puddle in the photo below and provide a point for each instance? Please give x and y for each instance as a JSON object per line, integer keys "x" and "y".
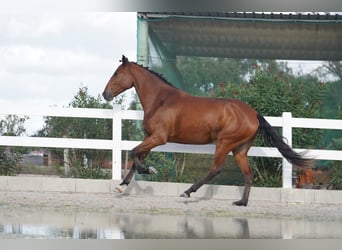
{"x": 21, "y": 223}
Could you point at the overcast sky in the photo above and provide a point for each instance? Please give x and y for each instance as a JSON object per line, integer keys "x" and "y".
{"x": 44, "y": 57}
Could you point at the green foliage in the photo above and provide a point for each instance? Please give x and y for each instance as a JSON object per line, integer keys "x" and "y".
{"x": 132, "y": 129}
{"x": 80, "y": 171}
{"x": 10, "y": 157}
{"x": 9, "y": 163}
{"x": 272, "y": 93}
{"x": 164, "y": 164}
{"x": 13, "y": 125}
{"x": 81, "y": 128}
{"x": 267, "y": 172}
{"x": 336, "y": 178}
{"x": 332, "y": 109}
{"x": 336, "y": 166}
{"x": 332, "y": 103}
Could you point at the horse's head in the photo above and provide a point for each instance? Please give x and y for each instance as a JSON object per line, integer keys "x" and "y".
{"x": 119, "y": 82}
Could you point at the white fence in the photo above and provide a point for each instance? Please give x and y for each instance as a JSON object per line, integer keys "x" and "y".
{"x": 287, "y": 122}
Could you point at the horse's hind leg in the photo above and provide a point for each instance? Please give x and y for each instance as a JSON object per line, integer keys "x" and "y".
{"x": 220, "y": 157}
{"x": 242, "y": 160}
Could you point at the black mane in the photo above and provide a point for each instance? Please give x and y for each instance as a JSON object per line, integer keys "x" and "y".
{"x": 161, "y": 77}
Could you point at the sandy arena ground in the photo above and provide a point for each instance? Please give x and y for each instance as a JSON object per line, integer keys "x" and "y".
{"x": 166, "y": 204}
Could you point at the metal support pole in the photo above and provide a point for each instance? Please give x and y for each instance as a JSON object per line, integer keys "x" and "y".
{"x": 142, "y": 40}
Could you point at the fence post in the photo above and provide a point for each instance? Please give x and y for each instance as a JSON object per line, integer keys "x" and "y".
{"x": 287, "y": 134}
{"x": 116, "y": 138}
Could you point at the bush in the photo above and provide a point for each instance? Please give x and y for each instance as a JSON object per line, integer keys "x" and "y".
{"x": 267, "y": 172}
{"x": 9, "y": 163}
{"x": 336, "y": 167}
{"x": 90, "y": 172}
{"x": 10, "y": 158}
{"x": 336, "y": 177}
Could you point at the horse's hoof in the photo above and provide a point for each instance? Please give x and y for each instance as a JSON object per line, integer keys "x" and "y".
{"x": 239, "y": 203}
{"x": 185, "y": 195}
{"x": 120, "y": 189}
{"x": 152, "y": 170}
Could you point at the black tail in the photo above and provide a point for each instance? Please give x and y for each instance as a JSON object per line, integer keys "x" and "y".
{"x": 272, "y": 137}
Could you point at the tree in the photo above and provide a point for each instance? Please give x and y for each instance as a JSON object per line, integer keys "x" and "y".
{"x": 84, "y": 162}
{"x": 330, "y": 68}
{"x": 13, "y": 125}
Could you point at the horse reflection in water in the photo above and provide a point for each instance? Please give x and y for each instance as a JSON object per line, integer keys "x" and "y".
{"x": 172, "y": 115}
{"x": 241, "y": 229}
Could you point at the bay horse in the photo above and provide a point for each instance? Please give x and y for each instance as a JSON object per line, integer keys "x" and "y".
{"x": 172, "y": 115}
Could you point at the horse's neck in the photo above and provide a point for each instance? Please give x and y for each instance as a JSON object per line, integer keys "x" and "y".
{"x": 149, "y": 87}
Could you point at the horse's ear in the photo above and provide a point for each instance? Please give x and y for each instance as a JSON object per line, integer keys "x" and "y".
{"x": 124, "y": 60}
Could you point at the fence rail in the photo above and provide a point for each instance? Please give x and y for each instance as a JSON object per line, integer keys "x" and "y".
{"x": 116, "y": 144}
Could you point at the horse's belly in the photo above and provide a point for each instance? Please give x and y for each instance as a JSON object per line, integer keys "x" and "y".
{"x": 190, "y": 141}
{"x": 193, "y": 137}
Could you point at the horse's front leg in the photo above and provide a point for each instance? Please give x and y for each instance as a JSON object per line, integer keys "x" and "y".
{"x": 135, "y": 167}
{"x": 138, "y": 155}
{"x": 124, "y": 184}
{"x": 137, "y": 159}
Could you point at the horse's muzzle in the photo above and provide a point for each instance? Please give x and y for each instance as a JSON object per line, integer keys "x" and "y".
{"x": 107, "y": 95}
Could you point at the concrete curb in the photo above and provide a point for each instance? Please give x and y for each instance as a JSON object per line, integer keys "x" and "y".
{"x": 146, "y": 188}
